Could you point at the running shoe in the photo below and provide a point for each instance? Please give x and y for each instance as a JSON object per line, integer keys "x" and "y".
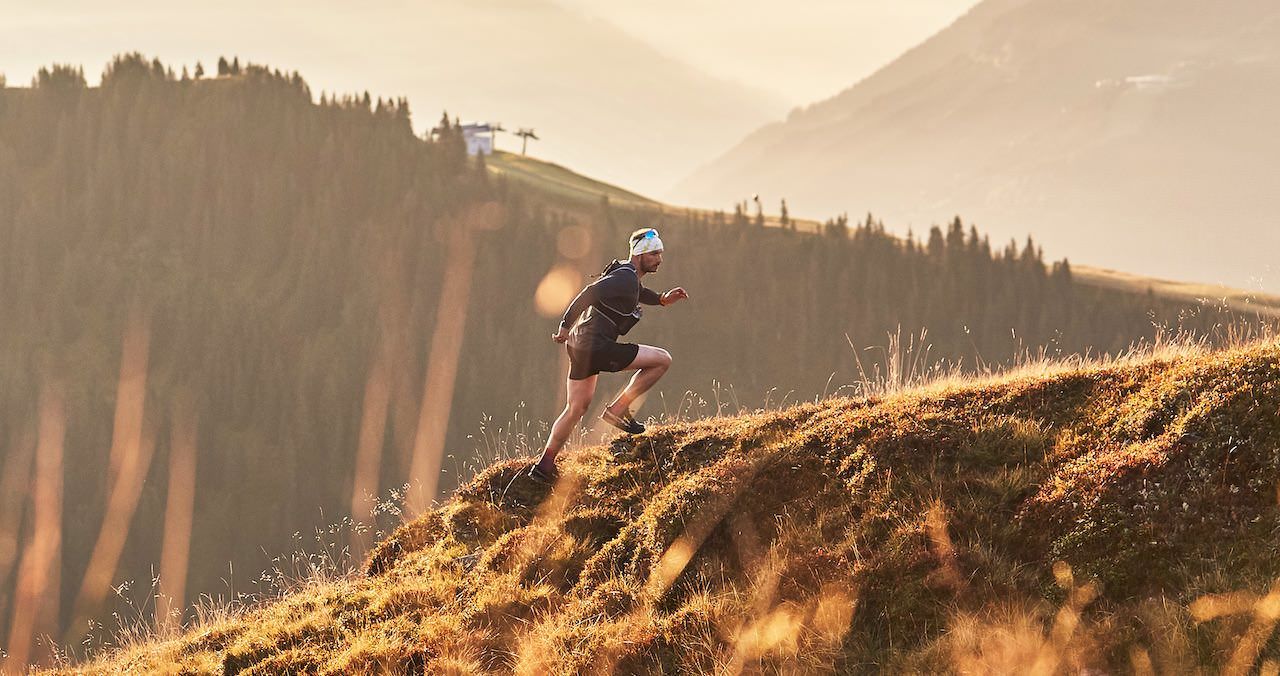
{"x": 542, "y": 476}
{"x": 623, "y": 422}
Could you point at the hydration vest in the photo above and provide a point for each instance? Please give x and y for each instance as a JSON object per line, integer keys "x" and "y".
{"x": 599, "y": 313}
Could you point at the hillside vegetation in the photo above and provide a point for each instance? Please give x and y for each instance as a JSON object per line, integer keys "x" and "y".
{"x": 217, "y": 286}
{"x": 1119, "y": 516}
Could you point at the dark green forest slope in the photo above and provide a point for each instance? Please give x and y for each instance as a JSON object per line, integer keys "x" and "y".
{"x": 283, "y": 264}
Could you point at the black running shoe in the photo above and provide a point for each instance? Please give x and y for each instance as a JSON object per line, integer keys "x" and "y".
{"x": 623, "y": 422}
{"x": 544, "y": 476}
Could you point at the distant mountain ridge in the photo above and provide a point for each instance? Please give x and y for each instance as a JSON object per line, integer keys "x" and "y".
{"x": 1138, "y": 135}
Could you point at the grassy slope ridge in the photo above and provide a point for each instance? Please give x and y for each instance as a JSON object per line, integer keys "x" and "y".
{"x": 967, "y": 524}
{"x": 1266, "y": 305}
{"x": 557, "y": 180}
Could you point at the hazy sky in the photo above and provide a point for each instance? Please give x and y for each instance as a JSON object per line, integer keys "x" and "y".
{"x": 801, "y": 51}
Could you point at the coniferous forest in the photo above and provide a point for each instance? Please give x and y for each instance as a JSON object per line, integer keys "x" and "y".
{"x": 291, "y": 296}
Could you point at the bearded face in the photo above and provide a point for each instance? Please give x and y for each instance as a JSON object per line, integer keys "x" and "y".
{"x": 649, "y": 262}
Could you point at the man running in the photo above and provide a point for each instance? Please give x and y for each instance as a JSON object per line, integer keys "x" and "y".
{"x": 604, "y": 310}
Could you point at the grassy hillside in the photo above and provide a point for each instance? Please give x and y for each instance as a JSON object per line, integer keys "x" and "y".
{"x": 1266, "y": 305}
{"x": 1115, "y": 516}
{"x": 554, "y": 179}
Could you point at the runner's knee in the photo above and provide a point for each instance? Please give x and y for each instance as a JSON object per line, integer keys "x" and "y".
{"x": 664, "y": 358}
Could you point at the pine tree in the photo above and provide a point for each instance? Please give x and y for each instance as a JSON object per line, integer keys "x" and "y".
{"x": 937, "y": 244}
{"x": 1029, "y": 254}
{"x": 1062, "y": 270}
{"x": 837, "y": 227}
{"x": 482, "y": 168}
{"x": 955, "y": 237}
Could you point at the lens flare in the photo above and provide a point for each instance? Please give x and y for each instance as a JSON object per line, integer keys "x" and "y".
{"x": 179, "y": 509}
{"x": 556, "y": 291}
{"x": 574, "y": 242}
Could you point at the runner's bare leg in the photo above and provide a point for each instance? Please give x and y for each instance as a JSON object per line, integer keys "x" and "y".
{"x": 652, "y": 363}
{"x": 576, "y": 405}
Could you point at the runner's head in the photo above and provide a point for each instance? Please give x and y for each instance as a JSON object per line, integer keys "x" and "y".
{"x": 646, "y": 249}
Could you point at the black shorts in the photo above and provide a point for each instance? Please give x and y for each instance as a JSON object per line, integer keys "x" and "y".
{"x": 612, "y": 357}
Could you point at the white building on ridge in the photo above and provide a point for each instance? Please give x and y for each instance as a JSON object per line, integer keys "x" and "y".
{"x": 479, "y": 137}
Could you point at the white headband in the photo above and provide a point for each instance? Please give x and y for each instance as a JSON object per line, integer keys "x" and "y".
{"x": 647, "y": 244}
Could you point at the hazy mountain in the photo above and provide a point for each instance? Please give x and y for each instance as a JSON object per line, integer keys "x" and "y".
{"x": 1141, "y": 135}
{"x": 603, "y": 102}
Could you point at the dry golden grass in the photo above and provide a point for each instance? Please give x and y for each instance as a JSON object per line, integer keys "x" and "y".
{"x": 1116, "y": 515}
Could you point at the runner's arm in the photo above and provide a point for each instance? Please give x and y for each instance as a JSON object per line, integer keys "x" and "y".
{"x": 649, "y": 296}
{"x": 578, "y": 306}
{"x": 672, "y": 296}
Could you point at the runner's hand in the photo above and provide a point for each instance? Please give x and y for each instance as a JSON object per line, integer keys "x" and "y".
{"x": 673, "y": 295}
{"x": 561, "y": 336}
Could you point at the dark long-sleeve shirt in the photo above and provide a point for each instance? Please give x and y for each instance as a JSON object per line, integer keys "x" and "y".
{"x": 608, "y": 307}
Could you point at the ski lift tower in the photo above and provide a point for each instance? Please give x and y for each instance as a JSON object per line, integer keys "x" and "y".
{"x": 526, "y": 134}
